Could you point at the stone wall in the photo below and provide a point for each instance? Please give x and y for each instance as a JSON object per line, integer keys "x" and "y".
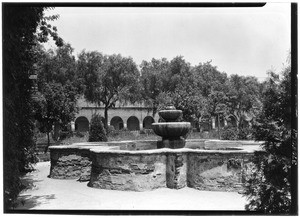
{"x": 138, "y": 166}
{"x": 217, "y": 172}
{"x": 128, "y": 171}
{"x": 176, "y": 170}
{"x": 70, "y": 163}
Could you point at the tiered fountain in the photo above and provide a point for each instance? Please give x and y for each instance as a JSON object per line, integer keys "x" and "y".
{"x": 139, "y": 165}
{"x": 172, "y": 132}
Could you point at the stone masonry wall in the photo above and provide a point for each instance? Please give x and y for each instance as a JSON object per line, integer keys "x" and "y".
{"x": 217, "y": 172}
{"x": 70, "y": 164}
{"x": 128, "y": 171}
{"x": 121, "y": 166}
{"x": 176, "y": 170}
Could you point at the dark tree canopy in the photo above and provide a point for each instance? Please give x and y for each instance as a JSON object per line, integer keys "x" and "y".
{"x": 269, "y": 185}
{"x": 108, "y": 79}
{"x": 58, "y": 89}
{"x": 19, "y": 37}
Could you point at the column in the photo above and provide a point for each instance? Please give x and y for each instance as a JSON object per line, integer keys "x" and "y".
{"x": 213, "y": 122}
{"x": 72, "y": 126}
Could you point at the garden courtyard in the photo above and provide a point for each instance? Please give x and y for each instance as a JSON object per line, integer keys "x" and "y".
{"x": 50, "y": 194}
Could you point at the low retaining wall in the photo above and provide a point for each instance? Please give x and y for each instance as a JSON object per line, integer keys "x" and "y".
{"x": 218, "y": 171}
{"x": 70, "y": 163}
{"x": 128, "y": 171}
{"x": 138, "y": 166}
{"x": 146, "y": 170}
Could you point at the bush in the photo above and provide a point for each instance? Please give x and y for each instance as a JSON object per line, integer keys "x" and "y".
{"x": 271, "y": 186}
{"x": 245, "y": 133}
{"x": 147, "y": 131}
{"x": 79, "y": 134}
{"x": 110, "y": 129}
{"x": 65, "y": 134}
{"x": 229, "y": 133}
{"x": 97, "y": 132}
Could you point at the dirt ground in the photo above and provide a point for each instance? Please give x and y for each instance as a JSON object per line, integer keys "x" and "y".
{"x": 52, "y": 194}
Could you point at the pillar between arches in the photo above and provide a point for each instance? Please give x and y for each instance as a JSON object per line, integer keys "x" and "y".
{"x": 213, "y": 123}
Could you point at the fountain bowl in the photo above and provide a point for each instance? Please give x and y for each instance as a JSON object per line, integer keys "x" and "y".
{"x": 170, "y": 115}
{"x": 171, "y": 130}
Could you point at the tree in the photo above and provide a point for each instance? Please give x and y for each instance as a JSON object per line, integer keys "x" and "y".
{"x": 56, "y": 65}
{"x": 58, "y": 89}
{"x": 207, "y": 79}
{"x": 20, "y": 35}
{"x": 108, "y": 79}
{"x": 54, "y": 104}
{"x": 212, "y": 85}
{"x": 97, "y": 132}
{"x": 152, "y": 82}
{"x": 269, "y": 186}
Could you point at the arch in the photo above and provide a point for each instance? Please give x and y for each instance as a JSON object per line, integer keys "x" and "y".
{"x": 194, "y": 123}
{"x": 82, "y": 124}
{"x": 205, "y": 123}
{"x": 147, "y": 122}
{"x": 222, "y": 121}
{"x": 245, "y": 124}
{"x": 133, "y": 123}
{"x": 232, "y": 121}
{"x": 117, "y": 123}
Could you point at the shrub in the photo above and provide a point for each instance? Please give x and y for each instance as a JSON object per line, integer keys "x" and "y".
{"x": 245, "y": 133}
{"x": 97, "y": 132}
{"x": 229, "y": 133}
{"x": 65, "y": 134}
{"x": 79, "y": 134}
{"x": 271, "y": 186}
{"x": 147, "y": 131}
{"x": 110, "y": 129}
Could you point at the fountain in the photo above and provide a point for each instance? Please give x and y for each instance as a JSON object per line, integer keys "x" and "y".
{"x": 142, "y": 165}
{"x": 172, "y": 132}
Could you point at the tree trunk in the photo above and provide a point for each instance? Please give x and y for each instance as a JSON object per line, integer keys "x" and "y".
{"x": 106, "y": 118}
{"x": 219, "y": 126}
{"x": 48, "y": 141}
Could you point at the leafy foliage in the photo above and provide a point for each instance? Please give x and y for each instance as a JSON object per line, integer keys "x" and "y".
{"x": 199, "y": 91}
{"x": 269, "y": 187}
{"x": 58, "y": 88}
{"x": 54, "y": 104}
{"x": 97, "y": 132}
{"x": 108, "y": 79}
{"x": 243, "y": 97}
{"x": 19, "y": 37}
{"x": 152, "y": 82}
{"x": 234, "y": 133}
{"x": 229, "y": 133}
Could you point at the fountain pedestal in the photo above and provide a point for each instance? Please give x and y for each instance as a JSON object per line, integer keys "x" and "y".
{"x": 171, "y": 143}
{"x": 171, "y": 131}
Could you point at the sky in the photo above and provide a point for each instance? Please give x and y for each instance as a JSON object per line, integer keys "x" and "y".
{"x": 243, "y": 41}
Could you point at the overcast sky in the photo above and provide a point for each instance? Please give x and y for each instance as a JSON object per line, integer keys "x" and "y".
{"x": 244, "y": 41}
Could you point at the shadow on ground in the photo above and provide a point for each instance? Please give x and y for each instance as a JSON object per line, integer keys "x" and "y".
{"x": 29, "y": 201}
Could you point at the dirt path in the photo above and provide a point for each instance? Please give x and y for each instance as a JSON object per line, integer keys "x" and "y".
{"x": 53, "y": 194}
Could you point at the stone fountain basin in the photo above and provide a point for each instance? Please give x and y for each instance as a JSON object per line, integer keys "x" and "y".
{"x": 139, "y": 166}
{"x": 170, "y": 115}
{"x": 171, "y": 129}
